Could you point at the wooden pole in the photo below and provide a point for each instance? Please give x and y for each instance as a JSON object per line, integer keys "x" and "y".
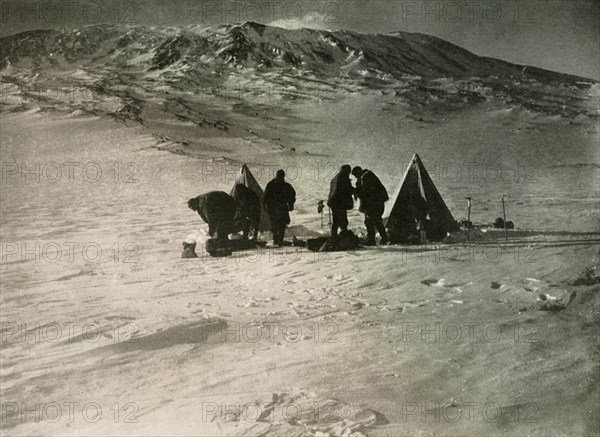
{"x": 468, "y": 216}
{"x": 320, "y": 207}
{"x": 504, "y": 214}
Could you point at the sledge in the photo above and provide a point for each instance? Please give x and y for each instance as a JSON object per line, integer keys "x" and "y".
{"x": 344, "y": 241}
{"x": 220, "y": 248}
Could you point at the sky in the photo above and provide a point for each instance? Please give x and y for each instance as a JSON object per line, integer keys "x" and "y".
{"x": 560, "y": 35}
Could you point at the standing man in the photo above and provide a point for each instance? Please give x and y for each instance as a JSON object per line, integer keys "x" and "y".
{"x": 340, "y": 199}
{"x": 279, "y": 201}
{"x": 372, "y": 195}
{"x": 247, "y": 214}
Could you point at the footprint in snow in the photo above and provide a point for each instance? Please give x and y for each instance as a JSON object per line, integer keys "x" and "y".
{"x": 338, "y": 277}
{"x": 250, "y": 304}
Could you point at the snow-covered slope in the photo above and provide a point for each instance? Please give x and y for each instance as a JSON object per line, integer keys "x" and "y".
{"x": 253, "y": 45}
{"x": 295, "y": 65}
{"x": 149, "y": 339}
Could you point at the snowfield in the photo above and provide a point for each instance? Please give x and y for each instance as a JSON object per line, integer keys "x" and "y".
{"x": 105, "y": 330}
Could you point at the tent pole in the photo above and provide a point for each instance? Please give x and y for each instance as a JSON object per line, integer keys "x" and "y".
{"x": 504, "y": 214}
{"x": 321, "y": 218}
{"x": 468, "y": 216}
{"x": 320, "y": 207}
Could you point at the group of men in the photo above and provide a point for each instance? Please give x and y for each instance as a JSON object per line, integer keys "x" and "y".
{"x": 372, "y": 195}
{"x": 241, "y": 211}
{"x": 226, "y": 213}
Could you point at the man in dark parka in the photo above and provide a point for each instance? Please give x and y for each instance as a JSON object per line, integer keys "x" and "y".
{"x": 248, "y": 210}
{"x": 279, "y": 201}
{"x": 217, "y": 209}
{"x": 372, "y": 195}
{"x": 340, "y": 199}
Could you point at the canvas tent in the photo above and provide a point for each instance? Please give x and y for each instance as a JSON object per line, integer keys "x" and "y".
{"x": 417, "y": 199}
{"x": 247, "y": 178}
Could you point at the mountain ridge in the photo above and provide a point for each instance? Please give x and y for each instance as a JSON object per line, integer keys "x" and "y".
{"x": 244, "y": 66}
{"x": 255, "y": 45}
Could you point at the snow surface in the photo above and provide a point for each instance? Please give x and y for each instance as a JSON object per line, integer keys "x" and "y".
{"x": 171, "y": 343}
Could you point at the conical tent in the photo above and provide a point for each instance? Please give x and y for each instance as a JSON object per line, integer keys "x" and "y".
{"x": 417, "y": 199}
{"x": 247, "y": 178}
